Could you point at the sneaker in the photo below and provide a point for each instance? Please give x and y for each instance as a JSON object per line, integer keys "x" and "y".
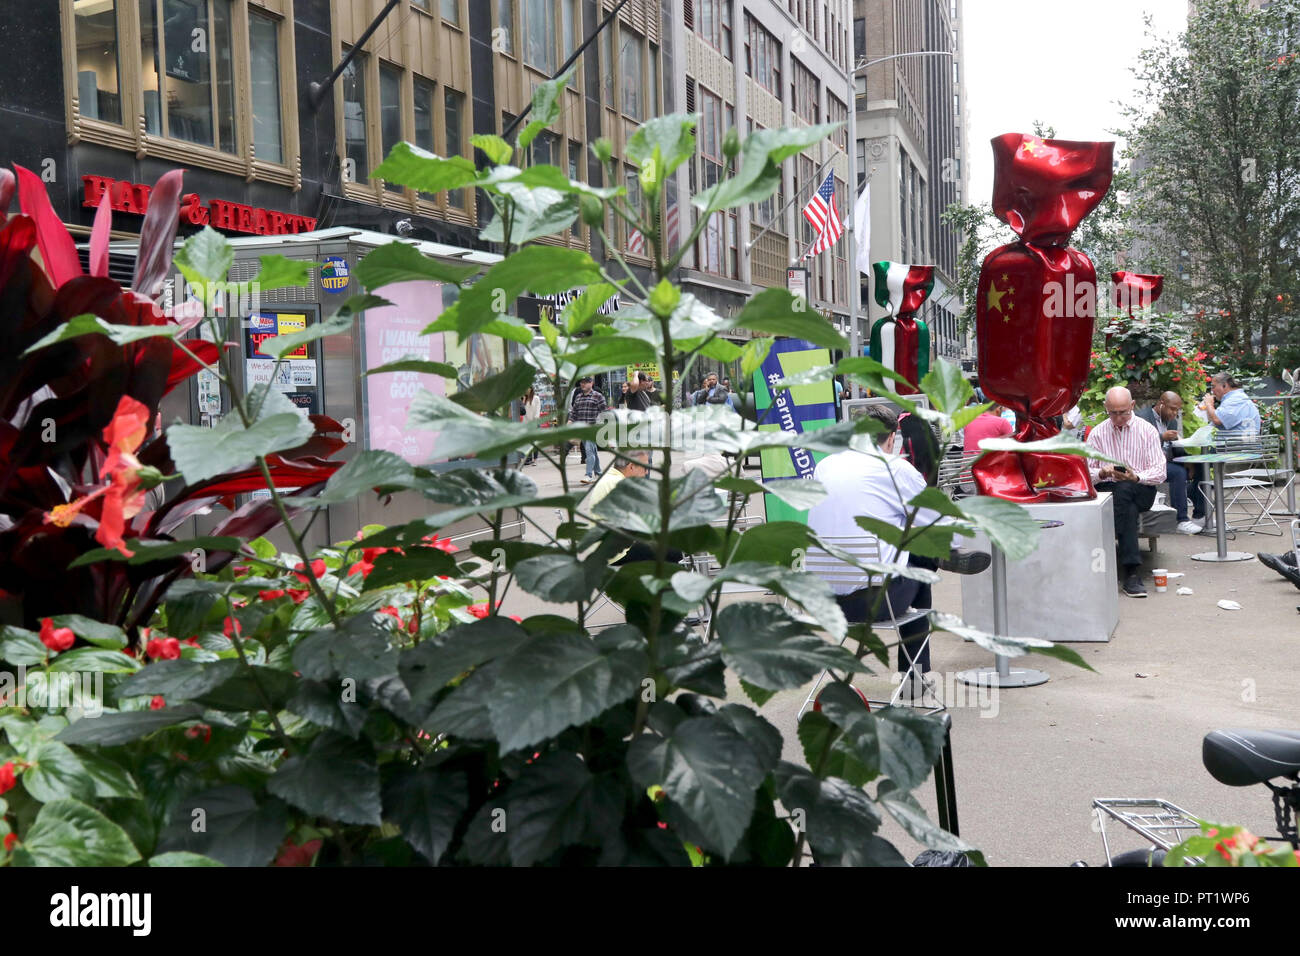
{"x": 587, "y": 479}
{"x": 1188, "y": 527}
{"x": 1133, "y": 587}
{"x": 963, "y": 561}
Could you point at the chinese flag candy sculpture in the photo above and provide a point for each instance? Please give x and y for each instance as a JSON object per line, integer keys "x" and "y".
{"x": 1035, "y": 307}
{"x": 901, "y": 341}
{"x": 1135, "y": 290}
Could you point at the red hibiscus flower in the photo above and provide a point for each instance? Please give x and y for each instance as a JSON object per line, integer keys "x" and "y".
{"x": 293, "y": 855}
{"x": 163, "y": 648}
{"x": 298, "y": 594}
{"x": 271, "y": 595}
{"x": 230, "y": 625}
{"x": 191, "y": 641}
{"x": 124, "y": 494}
{"x": 367, "y": 562}
{"x": 442, "y": 544}
{"x": 478, "y": 610}
{"x": 56, "y": 638}
{"x": 10, "y": 840}
{"x": 391, "y": 612}
{"x": 317, "y": 571}
{"x": 157, "y": 703}
{"x": 7, "y": 779}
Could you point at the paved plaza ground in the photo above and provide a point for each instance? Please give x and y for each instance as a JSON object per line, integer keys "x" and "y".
{"x": 1029, "y": 761}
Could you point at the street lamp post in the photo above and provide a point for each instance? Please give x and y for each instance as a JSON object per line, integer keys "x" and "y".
{"x": 855, "y": 289}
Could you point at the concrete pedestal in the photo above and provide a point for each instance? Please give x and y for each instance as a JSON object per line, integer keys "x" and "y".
{"x": 1067, "y": 589}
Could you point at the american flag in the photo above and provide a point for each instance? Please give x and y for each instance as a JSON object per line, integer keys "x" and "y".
{"x": 821, "y": 212}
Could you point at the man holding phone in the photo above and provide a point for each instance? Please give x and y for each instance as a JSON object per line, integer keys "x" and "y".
{"x": 1135, "y": 443}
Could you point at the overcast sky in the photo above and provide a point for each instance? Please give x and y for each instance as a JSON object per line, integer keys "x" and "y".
{"x": 1065, "y": 64}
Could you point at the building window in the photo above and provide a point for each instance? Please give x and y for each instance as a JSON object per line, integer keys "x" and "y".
{"x": 575, "y": 173}
{"x": 652, "y": 89}
{"x": 570, "y": 24}
{"x": 99, "y": 91}
{"x": 762, "y": 56}
{"x": 423, "y": 93}
{"x": 546, "y": 149}
{"x": 187, "y": 76}
{"x": 390, "y": 110}
{"x": 353, "y": 84}
{"x": 451, "y": 11}
{"x": 454, "y": 117}
{"x": 630, "y": 55}
{"x": 859, "y": 39}
{"x": 504, "y": 35}
{"x": 713, "y": 23}
{"x": 265, "y": 61}
{"x": 717, "y": 245}
{"x": 607, "y": 65}
{"x": 804, "y": 92}
{"x": 837, "y": 112}
{"x": 540, "y": 35}
{"x": 862, "y": 164}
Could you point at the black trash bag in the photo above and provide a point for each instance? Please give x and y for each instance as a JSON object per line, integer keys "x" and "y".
{"x": 942, "y": 858}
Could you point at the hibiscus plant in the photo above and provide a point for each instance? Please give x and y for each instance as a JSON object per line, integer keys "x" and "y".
{"x": 369, "y": 702}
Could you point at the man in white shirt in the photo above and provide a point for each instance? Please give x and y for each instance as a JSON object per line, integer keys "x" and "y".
{"x": 1134, "y": 442}
{"x": 878, "y": 484}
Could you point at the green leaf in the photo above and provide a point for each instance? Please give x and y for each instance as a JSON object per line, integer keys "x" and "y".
{"x": 762, "y": 736}
{"x": 535, "y": 211}
{"x": 633, "y": 505}
{"x": 94, "y": 660}
{"x": 946, "y": 387}
{"x": 202, "y": 453}
{"x": 205, "y": 257}
{"x": 416, "y": 564}
{"x": 558, "y": 578}
{"x": 108, "y": 730}
{"x": 759, "y": 174}
{"x": 497, "y": 150}
{"x": 541, "y": 269}
{"x": 807, "y": 590}
{"x": 463, "y": 433}
{"x": 110, "y": 780}
{"x": 497, "y": 390}
{"x": 1007, "y": 524}
{"x": 279, "y": 345}
{"x": 417, "y": 365}
{"x": 21, "y": 647}
{"x": 547, "y": 107}
{"x": 277, "y": 272}
{"x": 673, "y": 136}
{"x": 374, "y": 470}
{"x": 612, "y": 351}
{"x": 840, "y": 818}
{"x": 709, "y": 771}
{"x": 146, "y": 551}
{"x": 817, "y": 734}
{"x": 399, "y": 262}
{"x": 427, "y": 669}
{"x": 1060, "y": 444}
{"x": 867, "y": 371}
{"x": 777, "y": 312}
{"x": 752, "y": 355}
{"x": 183, "y": 859}
{"x": 56, "y": 772}
{"x": 758, "y": 695}
{"x": 178, "y": 679}
{"x": 903, "y": 807}
{"x": 767, "y": 647}
{"x": 359, "y": 650}
{"x": 69, "y": 833}
{"x": 236, "y": 830}
{"x": 337, "y": 778}
{"x": 93, "y": 325}
{"x": 776, "y": 542}
{"x": 1006, "y": 646}
{"x": 408, "y": 165}
{"x": 800, "y": 493}
{"x": 428, "y": 806}
{"x": 582, "y": 310}
{"x": 554, "y": 681}
{"x": 558, "y": 802}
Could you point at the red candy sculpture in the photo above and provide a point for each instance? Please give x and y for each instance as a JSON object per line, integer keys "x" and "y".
{"x": 1035, "y": 308}
{"x": 901, "y": 341}
{"x": 1135, "y": 290}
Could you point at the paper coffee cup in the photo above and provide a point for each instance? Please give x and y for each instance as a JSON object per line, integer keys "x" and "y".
{"x": 1161, "y": 577}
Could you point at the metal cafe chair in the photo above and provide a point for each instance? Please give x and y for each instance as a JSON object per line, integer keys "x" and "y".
{"x": 1252, "y": 489}
{"x": 837, "y": 572}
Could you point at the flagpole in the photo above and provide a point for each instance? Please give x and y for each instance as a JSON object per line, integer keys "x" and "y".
{"x": 855, "y": 286}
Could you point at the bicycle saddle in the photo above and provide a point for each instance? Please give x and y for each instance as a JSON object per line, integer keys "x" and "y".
{"x": 1240, "y": 758}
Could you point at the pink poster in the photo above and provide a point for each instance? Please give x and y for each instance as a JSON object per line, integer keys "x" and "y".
{"x": 392, "y": 333}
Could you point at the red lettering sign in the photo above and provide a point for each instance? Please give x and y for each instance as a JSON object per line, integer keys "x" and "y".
{"x": 220, "y": 213}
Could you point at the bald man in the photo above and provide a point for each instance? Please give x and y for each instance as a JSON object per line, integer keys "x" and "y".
{"x": 1165, "y": 417}
{"x": 1135, "y": 443}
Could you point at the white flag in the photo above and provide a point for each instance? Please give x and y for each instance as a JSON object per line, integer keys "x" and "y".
{"x": 862, "y": 229}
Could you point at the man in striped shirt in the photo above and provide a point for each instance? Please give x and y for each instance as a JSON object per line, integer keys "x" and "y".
{"x": 1131, "y": 440}
{"x": 584, "y": 409}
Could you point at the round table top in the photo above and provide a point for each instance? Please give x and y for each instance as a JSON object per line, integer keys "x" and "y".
{"x": 1222, "y": 456}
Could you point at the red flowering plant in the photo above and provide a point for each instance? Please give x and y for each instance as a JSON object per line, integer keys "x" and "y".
{"x": 1219, "y": 845}
{"x": 1149, "y": 356}
{"x": 372, "y": 701}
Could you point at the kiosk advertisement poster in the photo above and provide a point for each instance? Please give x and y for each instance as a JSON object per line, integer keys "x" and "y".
{"x": 805, "y": 408}
{"x": 393, "y": 333}
{"x": 297, "y": 376}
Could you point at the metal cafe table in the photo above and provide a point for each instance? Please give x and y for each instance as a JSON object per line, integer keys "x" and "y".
{"x": 1218, "y": 460}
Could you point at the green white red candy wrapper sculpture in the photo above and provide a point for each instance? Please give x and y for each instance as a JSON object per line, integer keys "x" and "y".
{"x": 901, "y": 341}
{"x": 1035, "y": 308}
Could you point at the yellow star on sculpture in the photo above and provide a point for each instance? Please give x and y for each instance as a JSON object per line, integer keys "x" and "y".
{"x": 1033, "y": 145}
{"x": 995, "y": 296}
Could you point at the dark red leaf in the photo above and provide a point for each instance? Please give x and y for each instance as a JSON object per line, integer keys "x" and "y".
{"x": 6, "y": 193}
{"x": 158, "y": 233}
{"x": 58, "y": 252}
{"x": 99, "y": 235}
{"x": 183, "y": 365}
{"x": 16, "y": 239}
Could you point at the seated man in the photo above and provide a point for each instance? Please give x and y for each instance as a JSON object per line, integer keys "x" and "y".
{"x": 1134, "y": 442}
{"x": 1234, "y": 412}
{"x": 879, "y": 486}
{"x": 633, "y": 463}
{"x": 988, "y": 424}
{"x": 1163, "y": 416}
